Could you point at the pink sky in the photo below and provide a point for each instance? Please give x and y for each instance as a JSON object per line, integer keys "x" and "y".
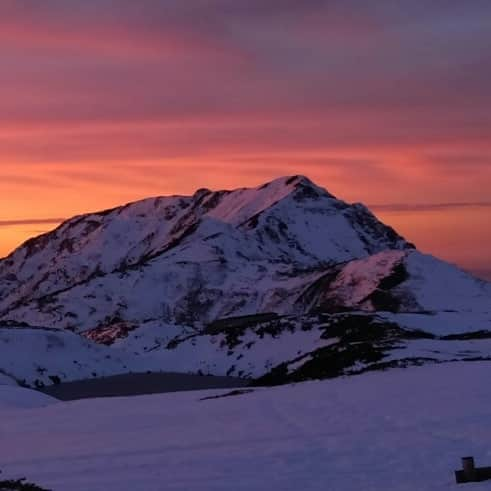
{"x": 387, "y": 104}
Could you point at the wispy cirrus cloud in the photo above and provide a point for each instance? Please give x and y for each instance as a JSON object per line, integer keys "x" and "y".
{"x": 386, "y": 208}
{"x": 428, "y": 207}
{"x": 31, "y": 221}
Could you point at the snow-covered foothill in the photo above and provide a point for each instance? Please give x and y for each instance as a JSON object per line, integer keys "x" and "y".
{"x": 406, "y": 281}
{"x": 38, "y": 356}
{"x": 444, "y": 323}
{"x": 6, "y": 380}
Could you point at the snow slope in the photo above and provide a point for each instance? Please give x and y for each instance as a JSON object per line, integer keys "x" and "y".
{"x": 6, "y": 380}
{"x": 443, "y": 323}
{"x": 402, "y": 430}
{"x": 15, "y": 398}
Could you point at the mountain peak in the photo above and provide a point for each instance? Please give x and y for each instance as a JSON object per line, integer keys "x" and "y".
{"x": 296, "y": 182}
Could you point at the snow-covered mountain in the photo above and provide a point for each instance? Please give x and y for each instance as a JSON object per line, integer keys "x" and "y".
{"x": 243, "y": 282}
{"x": 188, "y": 259}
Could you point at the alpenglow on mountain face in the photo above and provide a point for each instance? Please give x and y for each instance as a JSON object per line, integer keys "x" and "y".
{"x": 189, "y": 259}
{"x": 241, "y": 282}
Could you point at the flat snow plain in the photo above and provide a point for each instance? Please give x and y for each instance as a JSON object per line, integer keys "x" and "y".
{"x": 404, "y": 429}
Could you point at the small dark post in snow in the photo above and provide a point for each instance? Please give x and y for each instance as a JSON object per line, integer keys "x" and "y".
{"x": 469, "y": 467}
{"x": 470, "y": 473}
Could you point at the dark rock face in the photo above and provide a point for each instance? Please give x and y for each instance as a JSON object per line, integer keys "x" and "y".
{"x": 107, "y": 334}
{"x": 398, "y": 275}
{"x": 19, "y": 485}
{"x": 360, "y": 340}
{"x": 383, "y": 298}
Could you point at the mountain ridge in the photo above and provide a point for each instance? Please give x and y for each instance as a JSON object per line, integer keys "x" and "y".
{"x": 166, "y": 222}
{"x": 252, "y": 282}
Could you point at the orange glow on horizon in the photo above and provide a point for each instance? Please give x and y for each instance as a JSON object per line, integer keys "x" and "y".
{"x": 457, "y": 235}
{"x": 104, "y": 105}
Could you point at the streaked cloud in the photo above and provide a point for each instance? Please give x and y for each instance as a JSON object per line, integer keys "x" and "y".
{"x": 424, "y": 207}
{"x": 30, "y": 221}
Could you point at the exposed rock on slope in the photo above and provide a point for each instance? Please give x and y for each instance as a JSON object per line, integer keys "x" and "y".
{"x": 399, "y": 281}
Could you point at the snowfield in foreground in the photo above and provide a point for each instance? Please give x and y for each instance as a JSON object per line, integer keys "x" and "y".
{"x": 17, "y": 397}
{"x": 385, "y": 431}
{"x": 12, "y": 396}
